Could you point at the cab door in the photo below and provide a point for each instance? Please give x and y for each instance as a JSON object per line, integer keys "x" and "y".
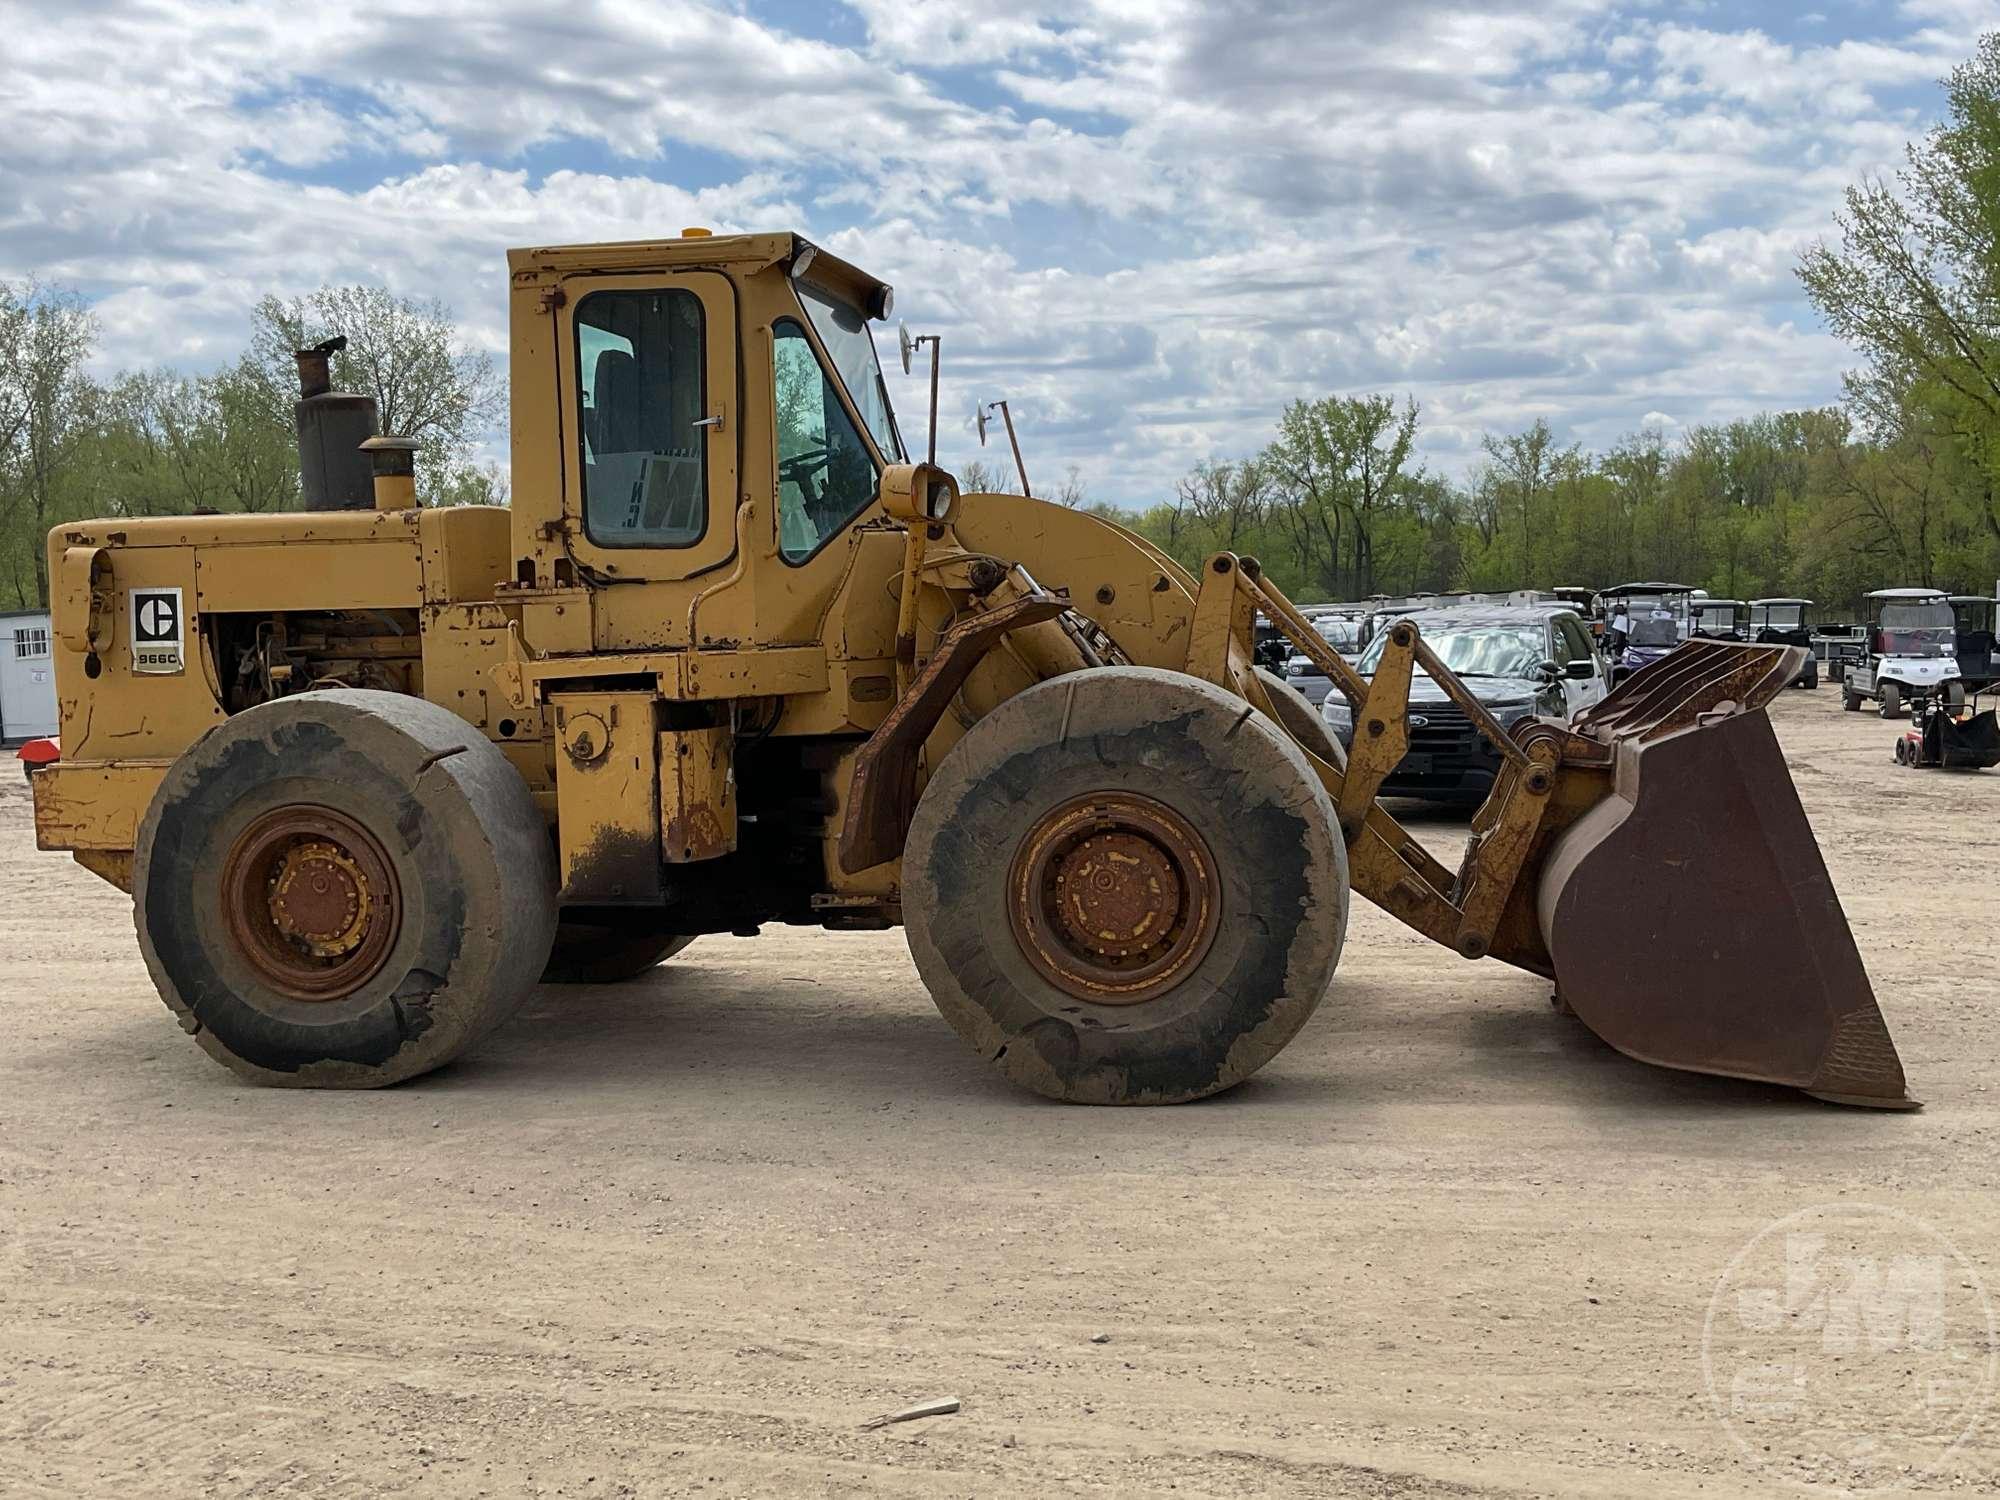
{"x": 647, "y": 369}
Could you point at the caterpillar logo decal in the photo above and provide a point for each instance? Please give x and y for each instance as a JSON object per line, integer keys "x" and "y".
{"x": 157, "y": 631}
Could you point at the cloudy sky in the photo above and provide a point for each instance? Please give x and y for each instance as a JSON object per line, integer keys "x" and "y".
{"x": 1150, "y": 223}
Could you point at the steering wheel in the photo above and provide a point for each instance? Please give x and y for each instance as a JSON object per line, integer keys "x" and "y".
{"x": 802, "y": 463}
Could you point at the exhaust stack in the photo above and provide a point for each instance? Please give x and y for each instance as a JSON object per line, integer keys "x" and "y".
{"x": 334, "y": 474}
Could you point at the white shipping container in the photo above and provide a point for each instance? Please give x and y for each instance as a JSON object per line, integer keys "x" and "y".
{"x": 27, "y": 677}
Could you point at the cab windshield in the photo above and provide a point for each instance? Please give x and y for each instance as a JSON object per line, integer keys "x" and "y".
{"x": 844, "y": 332}
{"x": 1916, "y": 629}
{"x": 1654, "y": 630}
{"x": 1472, "y": 650}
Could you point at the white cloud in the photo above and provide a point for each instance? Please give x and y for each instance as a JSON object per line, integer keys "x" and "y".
{"x": 1149, "y": 223}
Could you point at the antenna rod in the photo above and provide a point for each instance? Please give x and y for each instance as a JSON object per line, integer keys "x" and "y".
{"x": 1007, "y": 416}
{"x": 936, "y": 351}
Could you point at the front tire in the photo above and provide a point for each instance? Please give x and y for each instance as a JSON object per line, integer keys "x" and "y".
{"x": 343, "y": 889}
{"x": 1954, "y": 697}
{"x": 1125, "y": 887}
{"x": 1891, "y": 695}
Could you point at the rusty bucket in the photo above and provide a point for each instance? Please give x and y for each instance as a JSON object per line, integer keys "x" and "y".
{"x": 1689, "y": 914}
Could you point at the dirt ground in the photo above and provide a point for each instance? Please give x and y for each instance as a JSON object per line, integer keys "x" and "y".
{"x": 682, "y": 1236}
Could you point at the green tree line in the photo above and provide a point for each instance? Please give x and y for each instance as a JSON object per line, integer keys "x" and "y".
{"x": 163, "y": 442}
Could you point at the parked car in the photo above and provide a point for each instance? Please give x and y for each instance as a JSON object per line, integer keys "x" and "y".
{"x": 1532, "y": 661}
{"x": 1912, "y": 654}
{"x": 1340, "y": 630}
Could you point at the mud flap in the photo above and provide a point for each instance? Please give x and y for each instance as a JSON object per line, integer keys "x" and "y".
{"x": 1693, "y": 924}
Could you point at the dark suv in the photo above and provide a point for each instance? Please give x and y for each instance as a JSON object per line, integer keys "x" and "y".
{"x": 1520, "y": 661}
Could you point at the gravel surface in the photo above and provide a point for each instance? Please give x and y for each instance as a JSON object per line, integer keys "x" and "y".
{"x": 685, "y": 1235}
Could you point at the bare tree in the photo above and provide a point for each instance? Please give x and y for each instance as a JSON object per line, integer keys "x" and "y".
{"x": 1225, "y": 499}
{"x": 1070, "y": 492}
{"x": 981, "y": 478}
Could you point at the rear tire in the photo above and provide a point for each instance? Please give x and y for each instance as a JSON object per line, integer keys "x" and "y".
{"x": 1850, "y": 701}
{"x": 1298, "y": 718}
{"x": 1891, "y": 696}
{"x": 599, "y": 953}
{"x": 1148, "y": 803}
{"x": 343, "y": 889}
{"x": 1954, "y": 697}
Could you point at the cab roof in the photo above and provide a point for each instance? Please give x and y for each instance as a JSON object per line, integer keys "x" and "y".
{"x": 1647, "y": 588}
{"x": 689, "y": 251}
{"x": 1806, "y": 602}
{"x": 1908, "y": 594}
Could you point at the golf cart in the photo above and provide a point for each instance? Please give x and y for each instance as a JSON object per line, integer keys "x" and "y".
{"x": 1911, "y": 640}
{"x": 1973, "y": 643}
{"x": 1937, "y": 738}
{"x": 1782, "y": 622}
{"x": 1720, "y": 619}
{"x": 1655, "y": 616}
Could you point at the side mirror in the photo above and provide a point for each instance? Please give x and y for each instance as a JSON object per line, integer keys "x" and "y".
{"x": 1582, "y": 669}
{"x": 1547, "y": 670}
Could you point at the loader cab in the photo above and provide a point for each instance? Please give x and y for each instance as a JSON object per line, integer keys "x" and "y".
{"x": 699, "y": 425}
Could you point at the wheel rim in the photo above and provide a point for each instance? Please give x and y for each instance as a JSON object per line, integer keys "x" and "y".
{"x": 1114, "y": 898}
{"x": 311, "y": 901}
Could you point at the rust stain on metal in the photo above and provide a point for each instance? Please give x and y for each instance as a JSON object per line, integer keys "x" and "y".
{"x": 1114, "y": 898}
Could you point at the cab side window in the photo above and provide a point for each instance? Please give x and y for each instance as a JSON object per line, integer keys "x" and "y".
{"x": 641, "y": 372}
{"x": 825, "y": 476}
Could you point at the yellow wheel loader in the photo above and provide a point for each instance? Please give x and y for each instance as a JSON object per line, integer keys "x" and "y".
{"x": 372, "y": 771}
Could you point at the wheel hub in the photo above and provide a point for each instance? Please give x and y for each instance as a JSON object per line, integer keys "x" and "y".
{"x": 311, "y": 901}
{"x": 320, "y": 899}
{"x": 1114, "y": 898}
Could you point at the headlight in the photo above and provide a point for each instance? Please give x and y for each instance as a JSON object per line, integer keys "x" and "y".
{"x": 1511, "y": 710}
{"x": 1338, "y": 714}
